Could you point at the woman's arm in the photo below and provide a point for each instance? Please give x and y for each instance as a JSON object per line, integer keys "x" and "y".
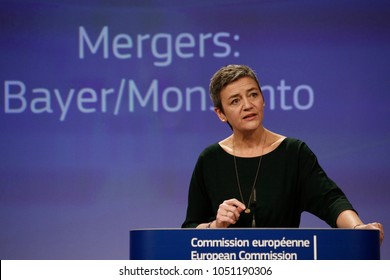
{"x": 350, "y": 219}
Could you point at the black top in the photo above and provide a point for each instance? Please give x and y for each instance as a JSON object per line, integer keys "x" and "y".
{"x": 290, "y": 181}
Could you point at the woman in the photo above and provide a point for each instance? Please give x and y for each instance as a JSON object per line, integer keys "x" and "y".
{"x": 258, "y": 178}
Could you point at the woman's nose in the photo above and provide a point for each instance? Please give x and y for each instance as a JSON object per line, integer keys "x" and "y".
{"x": 246, "y": 104}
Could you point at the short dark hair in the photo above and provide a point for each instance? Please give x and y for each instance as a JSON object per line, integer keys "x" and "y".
{"x": 226, "y": 75}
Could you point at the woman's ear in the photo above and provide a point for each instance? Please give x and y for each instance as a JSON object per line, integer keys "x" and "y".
{"x": 220, "y": 114}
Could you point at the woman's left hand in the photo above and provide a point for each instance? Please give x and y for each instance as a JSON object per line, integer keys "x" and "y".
{"x": 375, "y": 225}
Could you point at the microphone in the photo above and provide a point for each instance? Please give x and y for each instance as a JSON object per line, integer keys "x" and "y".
{"x": 253, "y": 206}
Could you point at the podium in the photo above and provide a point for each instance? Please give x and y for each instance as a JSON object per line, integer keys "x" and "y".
{"x": 254, "y": 244}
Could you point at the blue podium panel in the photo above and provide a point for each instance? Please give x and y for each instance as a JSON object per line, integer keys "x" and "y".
{"x": 254, "y": 244}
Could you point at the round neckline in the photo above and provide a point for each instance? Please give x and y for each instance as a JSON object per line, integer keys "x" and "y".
{"x": 266, "y": 154}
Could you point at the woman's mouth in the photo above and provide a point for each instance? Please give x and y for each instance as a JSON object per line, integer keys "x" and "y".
{"x": 249, "y": 116}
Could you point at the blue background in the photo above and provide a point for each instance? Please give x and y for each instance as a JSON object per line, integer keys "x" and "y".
{"x": 72, "y": 187}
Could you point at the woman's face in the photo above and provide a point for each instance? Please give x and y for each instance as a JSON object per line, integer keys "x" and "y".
{"x": 243, "y": 105}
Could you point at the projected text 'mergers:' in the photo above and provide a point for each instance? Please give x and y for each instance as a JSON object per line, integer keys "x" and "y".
{"x": 162, "y": 48}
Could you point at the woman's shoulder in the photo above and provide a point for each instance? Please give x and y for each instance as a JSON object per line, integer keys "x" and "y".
{"x": 293, "y": 141}
{"x": 211, "y": 149}
{"x": 212, "y": 154}
{"x": 295, "y": 146}
{"x": 279, "y": 142}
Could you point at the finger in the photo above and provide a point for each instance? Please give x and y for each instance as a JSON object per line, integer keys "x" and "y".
{"x": 235, "y": 202}
{"x": 230, "y": 210}
{"x": 380, "y": 227}
{"x": 227, "y": 214}
{"x": 377, "y": 225}
{"x": 225, "y": 219}
{"x": 234, "y": 206}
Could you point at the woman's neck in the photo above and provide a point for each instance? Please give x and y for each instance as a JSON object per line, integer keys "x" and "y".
{"x": 249, "y": 140}
{"x": 250, "y": 144}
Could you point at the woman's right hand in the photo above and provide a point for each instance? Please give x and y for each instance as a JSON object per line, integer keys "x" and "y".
{"x": 229, "y": 212}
